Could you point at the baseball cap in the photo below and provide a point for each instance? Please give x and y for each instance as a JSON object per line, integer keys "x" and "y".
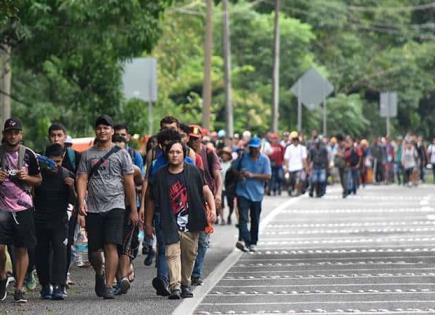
{"x": 293, "y": 135}
{"x": 255, "y": 142}
{"x": 68, "y": 140}
{"x": 195, "y": 131}
{"x": 12, "y": 124}
{"x": 104, "y": 120}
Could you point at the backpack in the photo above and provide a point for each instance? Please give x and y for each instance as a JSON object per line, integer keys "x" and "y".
{"x": 231, "y": 177}
{"x": 21, "y": 153}
{"x": 72, "y": 158}
{"x": 354, "y": 158}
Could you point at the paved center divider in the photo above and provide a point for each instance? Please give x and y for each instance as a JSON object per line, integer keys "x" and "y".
{"x": 188, "y": 306}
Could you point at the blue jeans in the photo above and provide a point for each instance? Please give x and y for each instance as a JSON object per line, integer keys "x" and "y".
{"x": 318, "y": 181}
{"x": 203, "y": 244}
{"x": 253, "y": 209}
{"x": 161, "y": 263}
{"x": 318, "y": 175}
{"x": 352, "y": 180}
{"x": 277, "y": 178}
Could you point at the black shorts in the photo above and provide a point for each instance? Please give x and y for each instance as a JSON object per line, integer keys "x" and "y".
{"x": 130, "y": 238}
{"x": 104, "y": 228}
{"x": 17, "y": 228}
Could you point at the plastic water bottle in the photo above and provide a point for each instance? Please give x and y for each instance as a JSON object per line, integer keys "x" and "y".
{"x": 141, "y": 237}
{"x": 81, "y": 249}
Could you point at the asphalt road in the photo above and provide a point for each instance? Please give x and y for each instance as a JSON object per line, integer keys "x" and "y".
{"x": 368, "y": 254}
{"x": 141, "y": 299}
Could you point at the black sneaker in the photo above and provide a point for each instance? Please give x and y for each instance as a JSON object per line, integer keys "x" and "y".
{"x": 186, "y": 292}
{"x": 100, "y": 285}
{"x": 3, "y": 289}
{"x": 241, "y": 245}
{"x": 150, "y": 256}
{"x": 19, "y": 297}
{"x": 108, "y": 294}
{"x": 196, "y": 281}
{"x": 161, "y": 287}
{"x": 46, "y": 292}
{"x": 58, "y": 293}
{"x": 175, "y": 294}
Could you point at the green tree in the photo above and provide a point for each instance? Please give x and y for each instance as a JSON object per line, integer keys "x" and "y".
{"x": 67, "y": 60}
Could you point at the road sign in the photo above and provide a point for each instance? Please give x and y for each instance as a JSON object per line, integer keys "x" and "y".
{"x": 140, "y": 79}
{"x": 388, "y": 103}
{"x": 312, "y": 89}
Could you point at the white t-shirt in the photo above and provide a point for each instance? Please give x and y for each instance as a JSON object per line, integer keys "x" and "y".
{"x": 295, "y": 155}
{"x": 431, "y": 152}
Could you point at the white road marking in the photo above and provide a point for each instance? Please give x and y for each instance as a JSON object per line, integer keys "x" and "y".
{"x": 188, "y": 306}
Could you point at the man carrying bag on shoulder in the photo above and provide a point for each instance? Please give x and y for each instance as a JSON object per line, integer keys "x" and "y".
{"x": 104, "y": 181}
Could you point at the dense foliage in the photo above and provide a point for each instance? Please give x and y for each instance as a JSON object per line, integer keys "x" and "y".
{"x": 66, "y": 58}
{"x": 363, "y": 47}
{"x": 66, "y": 61}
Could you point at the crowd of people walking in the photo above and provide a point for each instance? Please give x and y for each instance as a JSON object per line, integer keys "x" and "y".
{"x": 116, "y": 199}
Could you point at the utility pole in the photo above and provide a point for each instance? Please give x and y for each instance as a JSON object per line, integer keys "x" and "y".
{"x": 227, "y": 71}
{"x": 275, "y": 78}
{"x": 208, "y": 48}
{"x": 5, "y": 82}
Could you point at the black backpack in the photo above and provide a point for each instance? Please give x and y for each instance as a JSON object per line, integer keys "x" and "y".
{"x": 354, "y": 158}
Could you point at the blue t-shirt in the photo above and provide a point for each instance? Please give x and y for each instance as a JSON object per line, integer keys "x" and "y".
{"x": 250, "y": 188}
{"x": 161, "y": 161}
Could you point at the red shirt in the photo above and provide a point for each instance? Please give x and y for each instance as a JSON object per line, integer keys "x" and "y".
{"x": 277, "y": 155}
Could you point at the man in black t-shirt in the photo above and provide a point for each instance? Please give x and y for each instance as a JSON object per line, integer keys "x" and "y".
{"x": 57, "y": 133}
{"x": 318, "y": 164}
{"x": 178, "y": 193}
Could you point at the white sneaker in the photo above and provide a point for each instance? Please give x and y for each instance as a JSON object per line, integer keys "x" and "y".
{"x": 252, "y": 248}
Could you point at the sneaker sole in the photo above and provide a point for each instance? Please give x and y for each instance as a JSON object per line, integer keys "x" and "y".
{"x": 21, "y": 301}
{"x": 108, "y": 297}
{"x": 58, "y": 298}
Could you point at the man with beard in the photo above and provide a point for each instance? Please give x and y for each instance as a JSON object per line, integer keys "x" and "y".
{"x": 19, "y": 173}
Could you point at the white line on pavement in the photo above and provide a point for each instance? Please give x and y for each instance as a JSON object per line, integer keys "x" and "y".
{"x": 326, "y": 285}
{"x": 188, "y": 306}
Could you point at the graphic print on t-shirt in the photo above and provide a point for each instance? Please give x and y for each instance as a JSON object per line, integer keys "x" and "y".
{"x": 179, "y": 203}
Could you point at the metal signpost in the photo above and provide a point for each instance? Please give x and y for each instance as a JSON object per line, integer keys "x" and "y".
{"x": 388, "y": 107}
{"x": 140, "y": 81}
{"x": 311, "y": 90}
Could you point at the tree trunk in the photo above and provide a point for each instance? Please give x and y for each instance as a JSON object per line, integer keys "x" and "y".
{"x": 229, "y": 123}
{"x": 5, "y": 82}
{"x": 208, "y": 48}
{"x": 275, "y": 78}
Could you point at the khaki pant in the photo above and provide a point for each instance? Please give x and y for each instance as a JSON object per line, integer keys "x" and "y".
{"x": 181, "y": 259}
